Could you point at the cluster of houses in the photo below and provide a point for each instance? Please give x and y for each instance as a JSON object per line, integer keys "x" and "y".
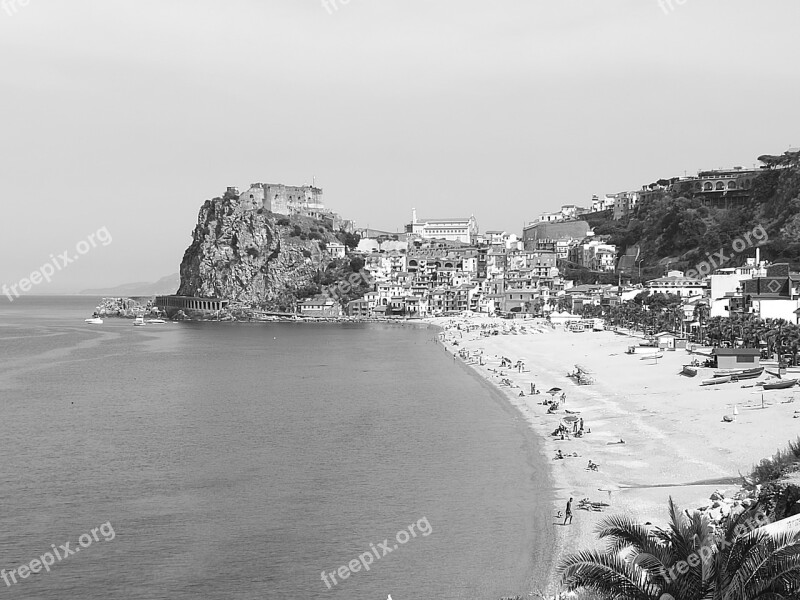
{"x": 446, "y": 267}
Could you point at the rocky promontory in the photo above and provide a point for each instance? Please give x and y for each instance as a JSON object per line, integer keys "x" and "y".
{"x": 254, "y": 258}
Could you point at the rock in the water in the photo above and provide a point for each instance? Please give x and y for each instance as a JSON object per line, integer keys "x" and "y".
{"x": 247, "y": 257}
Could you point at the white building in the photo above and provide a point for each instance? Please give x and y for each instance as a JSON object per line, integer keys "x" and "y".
{"x": 336, "y": 249}
{"x": 463, "y": 230}
{"x": 678, "y": 284}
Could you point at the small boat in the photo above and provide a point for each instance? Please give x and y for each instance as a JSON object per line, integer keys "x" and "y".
{"x": 689, "y": 370}
{"x": 156, "y": 321}
{"x": 748, "y": 374}
{"x": 138, "y": 321}
{"x": 94, "y": 321}
{"x": 780, "y": 385}
{"x": 738, "y": 372}
{"x": 652, "y": 355}
{"x": 716, "y": 380}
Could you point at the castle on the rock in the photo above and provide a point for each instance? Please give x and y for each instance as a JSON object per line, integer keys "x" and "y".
{"x": 282, "y": 199}
{"x": 304, "y": 200}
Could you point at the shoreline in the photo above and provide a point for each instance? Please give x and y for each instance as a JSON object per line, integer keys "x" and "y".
{"x": 676, "y": 443}
{"x": 543, "y": 560}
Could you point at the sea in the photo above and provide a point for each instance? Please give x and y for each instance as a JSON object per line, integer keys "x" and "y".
{"x": 244, "y": 461}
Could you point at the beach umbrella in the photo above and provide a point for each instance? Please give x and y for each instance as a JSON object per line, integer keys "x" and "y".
{"x": 554, "y": 390}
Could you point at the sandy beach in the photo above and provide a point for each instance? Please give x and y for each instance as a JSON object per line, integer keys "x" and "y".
{"x": 676, "y": 442}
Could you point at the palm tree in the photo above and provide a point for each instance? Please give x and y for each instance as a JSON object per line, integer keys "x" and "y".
{"x": 701, "y": 312}
{"x": 688, "y": 560}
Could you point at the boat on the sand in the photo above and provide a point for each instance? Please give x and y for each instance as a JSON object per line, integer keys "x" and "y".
{"x": 740, "y": 373}
{"x": 652, "y": 355}
{"x": 716, "y": 380}
{"x": 780, "y": 385}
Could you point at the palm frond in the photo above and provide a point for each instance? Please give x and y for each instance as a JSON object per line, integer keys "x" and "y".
{"x": 605, "y": 574}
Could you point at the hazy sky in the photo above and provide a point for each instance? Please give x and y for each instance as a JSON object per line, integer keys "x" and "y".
{"x": 127, "y": 115}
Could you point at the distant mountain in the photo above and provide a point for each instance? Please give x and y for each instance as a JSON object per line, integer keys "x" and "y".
{"x": 165, "y": 285}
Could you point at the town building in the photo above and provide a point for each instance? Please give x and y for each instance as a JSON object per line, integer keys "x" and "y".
{"x": 718, "y": 184}
{"x": 594, "y": 255}
{"x": 678, "y": 284}
{"x": 320, "y": 306}
{"x": 336, "y": 249}
{"x": 464, "y": 230}
{"x": 565, "y": 230}
{"x": 624, "y": 203}
{"x": 774, "y": 296}
{"x": 604, "y": 203}
{"x": 737, "y": 358}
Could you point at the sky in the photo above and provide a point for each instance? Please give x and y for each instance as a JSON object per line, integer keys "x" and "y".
{"x": 121, "y": 117}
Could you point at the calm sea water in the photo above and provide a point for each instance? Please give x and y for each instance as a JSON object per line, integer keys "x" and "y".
{"x": 241, "y": 460}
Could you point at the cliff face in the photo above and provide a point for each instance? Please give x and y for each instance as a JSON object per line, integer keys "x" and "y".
{"x": 248, "y": 258}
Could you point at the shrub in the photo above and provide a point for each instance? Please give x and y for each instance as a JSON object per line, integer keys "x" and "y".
{"x": 307, "y": 253}
{"x": 356, "y": 264}
{"x": 784, "y": 461}
{"x": 283, "y": 221}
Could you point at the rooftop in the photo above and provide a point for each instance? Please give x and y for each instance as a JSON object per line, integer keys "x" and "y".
{"x": 736, "y": 352}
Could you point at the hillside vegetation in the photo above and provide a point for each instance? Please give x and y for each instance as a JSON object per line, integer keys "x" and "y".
{"x": 679, "y": 232}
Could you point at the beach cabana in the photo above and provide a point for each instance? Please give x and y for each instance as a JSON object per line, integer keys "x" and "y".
{"x": 665, "y": 340}
{"x": 737, "y": 358}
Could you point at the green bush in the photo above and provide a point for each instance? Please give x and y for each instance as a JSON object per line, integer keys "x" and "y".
{"x": 783, "y": 462}
{"x": 283, "y": 221}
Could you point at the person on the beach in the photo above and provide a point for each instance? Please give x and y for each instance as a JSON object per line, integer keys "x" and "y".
{"x": 581, "y": 427}
{"x": 568, "y": 513}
